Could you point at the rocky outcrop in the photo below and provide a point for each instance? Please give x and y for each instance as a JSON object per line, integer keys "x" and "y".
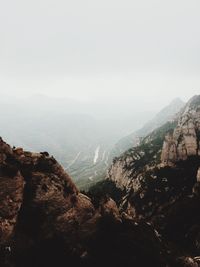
{"x": 161, "y": 183}
{"x": 129, "y": 170}
{"x": 36, "y": 195}
{"x": 108, "y": 207}
{"x": 11, "y": 194}
{"x": 144, "y": 171}
{"x": 120, "y": 171}
{"x": 46, "y": 221}
{"x": 184, "y": 142}
{"x": 11, "y": 197}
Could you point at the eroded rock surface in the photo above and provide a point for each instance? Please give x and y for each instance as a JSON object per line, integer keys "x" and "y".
{"x": 46, "y": 221}
{"x": 184, "y": 142}
{"x": 164, "y": 166}
{"x": 161, "y": 181}
{"x": 37, "y": 197}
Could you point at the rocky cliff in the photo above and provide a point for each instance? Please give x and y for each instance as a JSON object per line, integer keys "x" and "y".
{"x": 128, "y": 169}
{"x": 184, "y": 141}
{"x": 175, "y": 142}
{"x": 38, "y": 200}
{"x": 46, "y": 221}
{"x": 160, "y": 179}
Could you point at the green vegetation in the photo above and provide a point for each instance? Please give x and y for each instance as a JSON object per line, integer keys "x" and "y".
{"x": 150, "y": 147}
{"x": 86, "y": 184}
{"x": 159, "y": 186}
{"x": 152, "y": 144}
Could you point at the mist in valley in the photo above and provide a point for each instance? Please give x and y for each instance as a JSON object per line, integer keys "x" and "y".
{"x": 99, "y": 133}
{"x": 78, "y": 77}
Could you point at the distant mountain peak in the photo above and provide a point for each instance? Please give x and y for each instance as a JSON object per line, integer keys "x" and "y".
{"x": 176, "y": 100}
{"x": 168, "y": 113}
{"x": 170, "y": 110}
{"x": 194, "y": 101}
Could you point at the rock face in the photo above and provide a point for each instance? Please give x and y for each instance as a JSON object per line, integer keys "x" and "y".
{"x": 46, "y": 221}
{"x": 108, "y": 207}
{"x": 149, "y": 163}
{"x": 161, "y": 181}
{"x": 11, "y": 194}
{"x": 128, "y": 170}
{"x": 11, "y": 197}
{"x": 37, "y": 196}
{"x": 184, "y": 142}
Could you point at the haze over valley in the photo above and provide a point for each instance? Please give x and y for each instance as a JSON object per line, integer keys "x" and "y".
{"x": 81, "y": 135}
{"x": 100, "y": 133}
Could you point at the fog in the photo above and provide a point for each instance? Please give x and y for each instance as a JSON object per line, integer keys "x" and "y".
{"x": 139, "y": 54}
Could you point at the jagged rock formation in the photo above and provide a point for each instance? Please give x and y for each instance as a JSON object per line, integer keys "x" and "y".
{"x": 46, "y": 221}
{"x": 125, "y": 167}
{"x": 161, "y": 178}
{"x": 37, "y": 198}
{"x": 184, "y": 141}
{"x": 11, "y": 194}
{"x": 36, "y": 184}
{"x": 172, "y": 145}
{"x": 128, "y": 170}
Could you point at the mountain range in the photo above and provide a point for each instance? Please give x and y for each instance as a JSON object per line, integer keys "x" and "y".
{"x": 76, "y": 133}
{"x": 145, "y": 213}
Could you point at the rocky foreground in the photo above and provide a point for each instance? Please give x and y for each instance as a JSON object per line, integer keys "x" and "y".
{"x": 46, "y": 221}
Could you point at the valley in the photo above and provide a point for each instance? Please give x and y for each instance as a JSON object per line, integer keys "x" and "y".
{"x": 145, "y": 213}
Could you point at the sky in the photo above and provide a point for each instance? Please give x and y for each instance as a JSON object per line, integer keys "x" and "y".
{"x": 141, "y": 53}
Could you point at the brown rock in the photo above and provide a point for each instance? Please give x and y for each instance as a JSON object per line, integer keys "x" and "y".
{"x": 108, "y": 207}
{"x": 198, "y": 175}
{"x": 11, "y": 197}
{"x": 184, "y": 142}
{"x": 50, "y": 202}
{"x": 18, "y": 151}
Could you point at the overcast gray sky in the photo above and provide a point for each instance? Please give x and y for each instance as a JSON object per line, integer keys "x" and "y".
{"x": 87, "y": 49}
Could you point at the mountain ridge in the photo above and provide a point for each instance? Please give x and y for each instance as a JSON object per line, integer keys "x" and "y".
{"x": 166, "y": 114}
{"x": 46, "y": 221}
{"x": 147, "y": 170}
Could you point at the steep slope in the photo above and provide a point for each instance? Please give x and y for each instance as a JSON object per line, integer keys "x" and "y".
{"x": 161, "y": 183}
{"x": 166, "y": 114}
{"x": 164, "y": 167}
{"x": 34, "y": 189}
{"x": 184, "y": 142}
{"x": 140, "y": 158}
